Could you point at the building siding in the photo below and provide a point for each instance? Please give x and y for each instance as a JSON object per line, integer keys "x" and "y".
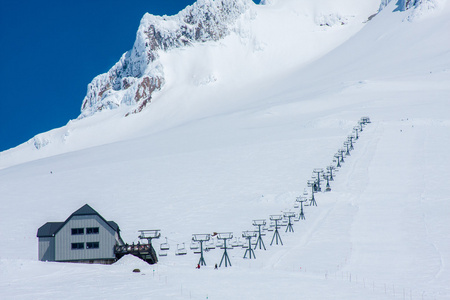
{"x": 47, "y": 248}
{"x": 105, "y": 238}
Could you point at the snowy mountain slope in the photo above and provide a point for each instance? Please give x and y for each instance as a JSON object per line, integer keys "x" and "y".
{"x": 254, "y": 50}
{"x": 133, "y": 80}
{"x": 141, "y": 72}
{"x": 221, "y": 157}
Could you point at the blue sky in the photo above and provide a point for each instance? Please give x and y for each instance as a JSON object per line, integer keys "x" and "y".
{"x": 52, "y": 49}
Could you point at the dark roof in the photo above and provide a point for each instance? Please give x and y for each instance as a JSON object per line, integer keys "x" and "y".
{"x": 113, "y": 225}
{"x": 85, "y": 210}
{"x": 51, "y": 228}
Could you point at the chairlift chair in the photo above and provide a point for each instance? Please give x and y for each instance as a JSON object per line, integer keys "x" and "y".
{"x": 195, "y": 245}
{"x": 181, "y": 249}
{"x": 162, "y": 252}
{"x": 164, "y": 246}
{"x": 219, "y": 244}
{"x": 210, "y": 245}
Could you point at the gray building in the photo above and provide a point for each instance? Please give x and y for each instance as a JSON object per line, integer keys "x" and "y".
{"x": 84, "y": 237}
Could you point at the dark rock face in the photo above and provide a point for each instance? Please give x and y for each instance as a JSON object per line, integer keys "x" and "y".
{"x": 144, "y": 92}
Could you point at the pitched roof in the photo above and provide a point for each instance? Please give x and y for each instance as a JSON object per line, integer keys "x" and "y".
{"x": 85, "y": 210}
{"x": 49, "y": 229}
{"x": 113, "y": 225}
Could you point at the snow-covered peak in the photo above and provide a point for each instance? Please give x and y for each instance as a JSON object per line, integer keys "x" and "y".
{"x": 136, "y": 78}
{"x": 139, "y": 73}
{"x": 194, "y": 64}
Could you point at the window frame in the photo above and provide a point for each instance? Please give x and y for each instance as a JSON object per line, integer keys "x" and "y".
{"x": 94, "y": 245}
{"x": 77, "y": 246}
{"x": 77, "y": 231}
{"x": 95, "y": 230}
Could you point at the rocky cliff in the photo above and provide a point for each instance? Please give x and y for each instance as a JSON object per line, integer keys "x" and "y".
{"x": 139, "y": 74}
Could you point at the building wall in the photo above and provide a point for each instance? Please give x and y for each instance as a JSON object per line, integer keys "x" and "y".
{"x": 47, "y": 249}
{"x": 64, "y": 240}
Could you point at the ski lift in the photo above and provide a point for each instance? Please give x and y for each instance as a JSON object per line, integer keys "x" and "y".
{"x": 224, "y": 236}
{"x": 203, "y": 237}
{"x": 181, "y": 249}
{"x": 365, "y": 120}
{"x": 164, "y": 246}
{"x": 195, "y": 245}
{"x": 236, "y": 243}
{"x": 162, "y": 252}
{"x": 249, "y": 235}
{"x": 210, "y": 245}
{"x": 220, "y": 244}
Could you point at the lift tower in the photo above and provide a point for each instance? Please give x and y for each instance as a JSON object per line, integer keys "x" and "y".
{"x": 201, "y": 238}
{"x": 259, "y": 241}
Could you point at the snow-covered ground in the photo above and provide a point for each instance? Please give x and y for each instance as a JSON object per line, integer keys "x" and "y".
{"x": 213, "y": 157}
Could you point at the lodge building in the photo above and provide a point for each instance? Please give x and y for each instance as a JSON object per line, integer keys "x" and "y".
{"x": 84, "y": 237}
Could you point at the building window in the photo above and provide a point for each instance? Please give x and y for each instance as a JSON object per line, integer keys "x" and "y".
{"x": 77, "y": 231}
{"x": 92, "y": 230}
{"x": 77, "y": 246}
{"x": 92, "y": 245}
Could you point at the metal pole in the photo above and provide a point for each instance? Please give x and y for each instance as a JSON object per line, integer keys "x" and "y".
{"x": 302, "y": 215}
{"x": 225, "y": 255}
{"x": 276, "y": 234}
{"x": 260, "y": 241}
{"x": 202, "y": 260}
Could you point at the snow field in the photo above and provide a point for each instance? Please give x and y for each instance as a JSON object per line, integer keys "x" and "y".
{"x": 218, "y": 159}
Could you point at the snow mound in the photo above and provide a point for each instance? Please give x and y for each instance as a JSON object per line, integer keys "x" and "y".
{"x": 131, "y": 261}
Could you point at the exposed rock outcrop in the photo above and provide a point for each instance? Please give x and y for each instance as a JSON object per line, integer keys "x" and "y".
{"x": 139, "y": 73}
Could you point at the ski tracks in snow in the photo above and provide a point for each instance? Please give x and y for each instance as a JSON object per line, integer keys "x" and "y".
{"x": 324, "y": 233}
